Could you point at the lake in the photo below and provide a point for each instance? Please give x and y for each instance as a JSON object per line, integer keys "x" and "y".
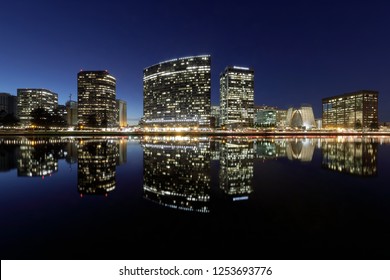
{"x": 178, "y": 197}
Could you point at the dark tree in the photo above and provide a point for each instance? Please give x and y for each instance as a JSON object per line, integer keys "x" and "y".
{"x": 40, "y": 117}
{"x": 57, "y": 119}
{"x": 9, "y": 120}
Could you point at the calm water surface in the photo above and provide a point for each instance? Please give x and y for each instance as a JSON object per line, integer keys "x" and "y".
{"x": 203, "y": 198}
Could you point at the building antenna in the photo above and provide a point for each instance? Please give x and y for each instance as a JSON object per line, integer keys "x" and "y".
{"x": 70, "y": 97}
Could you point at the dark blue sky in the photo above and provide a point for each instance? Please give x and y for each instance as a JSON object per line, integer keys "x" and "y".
{"x": 301, "y": 51}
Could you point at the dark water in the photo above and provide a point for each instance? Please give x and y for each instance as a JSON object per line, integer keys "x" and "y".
{"x": 195, "y": 198}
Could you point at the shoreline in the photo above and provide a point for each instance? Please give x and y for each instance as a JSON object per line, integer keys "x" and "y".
{"x": 192, "y": 133}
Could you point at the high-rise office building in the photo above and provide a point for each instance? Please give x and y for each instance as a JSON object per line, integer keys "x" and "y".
{"x": 237, "y": 97}
{"x": 96, "y": 91}
{"x": 177, "y": 92}
{"x": 121, "y": 110}
{"x": 7, "y": 103}
{"x": 29, "y": 99}
{"x": 351, "y": 110}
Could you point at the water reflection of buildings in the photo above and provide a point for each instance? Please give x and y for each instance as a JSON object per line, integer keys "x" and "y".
{"x": 39, "y": 157}
{"x": 301, "y": 149}
{"x": 32, "y": 156}
{"x": 236, "y": 167}
{"x": 8, "y": 156}
{"x": 97, "y": 160}
{"x": 269, "y": 149}
{"x": 177, "y": 172}
{"x": 357, "y": 158}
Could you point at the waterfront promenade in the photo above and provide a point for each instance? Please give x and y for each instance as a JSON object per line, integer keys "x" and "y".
{"x": 264, "y": 133}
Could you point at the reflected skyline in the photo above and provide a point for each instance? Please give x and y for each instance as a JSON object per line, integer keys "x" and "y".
{"x": 209, "y": 192}
{"x": 97, "y": 162}
{"x": 177, "y": 172}
{"x": 355, "y": 158}
{"x": 236, "y": 168}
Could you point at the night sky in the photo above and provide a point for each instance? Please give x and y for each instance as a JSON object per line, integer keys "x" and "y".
{"x": 301, "y": 51}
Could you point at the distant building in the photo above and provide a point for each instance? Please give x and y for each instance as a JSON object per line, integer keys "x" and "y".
{"x": 121, "y": 109}
{"x": 96, "y": 99}
{"x": 319, "y": 123}
{"x": 351, "y": 110}
{"x": 29, "y": 99}
{"x": 281, "y": 116}
{"x": 237, "y": 97}
{"x": 177, "y": 92}
{"x": 215, "y": 120}
{"x": 71, "y": 113}
{"x": 7, "y": 103}
{"x": 265, "y": 116}
{"x": 302, "y": 117}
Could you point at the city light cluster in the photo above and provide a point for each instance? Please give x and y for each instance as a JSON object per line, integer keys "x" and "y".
{"x": 177, "y": 98}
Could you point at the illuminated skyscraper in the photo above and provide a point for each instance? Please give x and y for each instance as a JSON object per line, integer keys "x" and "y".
{"x": 96, "y": 99}
{"x": 121, "y": 109}
{"x": 177, "y": 92}
{"x": 237, "y": 97}
{"x": 351, "y": 110}
{"x": 29, "y": 99}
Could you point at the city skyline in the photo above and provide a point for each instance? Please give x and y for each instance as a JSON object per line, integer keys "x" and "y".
{"x": 301, "y": 52}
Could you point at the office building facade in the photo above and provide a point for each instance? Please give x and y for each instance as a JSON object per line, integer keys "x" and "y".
{"x": 265, "y": 116}
{"x": 177, "y": 92}
{"x": 7, "y": 103}
{"x": 29, "y": 99}
{"x": 96, "y": 92}
{"x": 121, "y": 110}
{"x": 353, "y": 110}
{"x": 237, "y": 97}
{"x": 71, "y": 113}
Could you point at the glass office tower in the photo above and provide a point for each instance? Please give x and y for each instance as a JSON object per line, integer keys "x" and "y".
{"x": 96, "y": 99}
{"x": 177, "y": 93}
{"x": 237, "y": 97}
{"x": 351, "y": 110}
